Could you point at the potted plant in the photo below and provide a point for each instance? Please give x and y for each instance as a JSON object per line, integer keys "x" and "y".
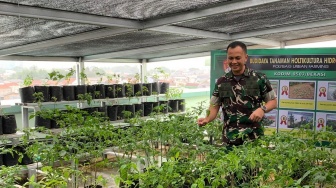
{"x": 69, "y": 90}
{"x": 100, "y": 88}
{"x": 56, "y": 92}
{"x": 26, "y": 92}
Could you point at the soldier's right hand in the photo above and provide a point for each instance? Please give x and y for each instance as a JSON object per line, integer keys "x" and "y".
{"x": 202, "y": 121}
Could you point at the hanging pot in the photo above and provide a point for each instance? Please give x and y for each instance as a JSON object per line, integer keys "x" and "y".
{"x": 45, "y": 91}
{"x": 69, "y": 93}
{"x": 26, "y": 94}
{"x": 9, "y": 125}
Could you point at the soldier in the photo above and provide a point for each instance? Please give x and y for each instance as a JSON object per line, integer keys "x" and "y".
{"x": 240, "y": 93}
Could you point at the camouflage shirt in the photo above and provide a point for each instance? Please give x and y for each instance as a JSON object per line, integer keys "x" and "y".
{"x": 239, "y": 96}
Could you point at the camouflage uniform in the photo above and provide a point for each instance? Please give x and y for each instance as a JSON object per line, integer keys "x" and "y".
{"x": 239, "y": 97}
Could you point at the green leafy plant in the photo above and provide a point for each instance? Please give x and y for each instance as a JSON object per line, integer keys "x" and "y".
{"x": 28, "y": 81}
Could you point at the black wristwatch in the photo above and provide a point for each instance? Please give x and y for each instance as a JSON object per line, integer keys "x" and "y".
{"x": 264, "y": 108}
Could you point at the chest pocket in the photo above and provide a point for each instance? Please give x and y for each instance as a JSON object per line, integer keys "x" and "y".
{"x": 225, "y": 92}
{"x": 251, "y": 88}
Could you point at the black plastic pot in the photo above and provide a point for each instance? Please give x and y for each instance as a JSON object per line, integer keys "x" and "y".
{"x": 45, "y": 91}
{"x": 164, "y": 106}
{"x": 92, "y": 90}
{"x": 120, "y": 109}
{"x": 148, "y": 108}
{"x": 139, "y": 108}
{"x": 164, "y": 86}
{"x": 25, "y": 159}
{"x": 54, "y": 124}
{"x": 1, "y": 131}
{"x": 69, "y": 93}
{"x": 138, "y": 89}
{"x": 110, "y": 91}
{"x": 129, "y": 90}
{"x": 147, "y": 89}
{"x": 80, "y": 90}
{"x": 56, "y": 92}
{"x": 42, "y": 122}
{"x": 155, "y": 88}
{"x": 173, "y": 106}
{"x": 26, "y": 94}
{"x": 112, "y": 112}
{"x": 1, "y": 159}
{"x": 93, "y": 186}
{"x": 100, "y": 91}
{"x": 130, "y": 108}
{"x": 9, "y": 159}
{"x": 9, "y": 125}
{"x": 181, "y": 105}
{"x": 120, "y": 90}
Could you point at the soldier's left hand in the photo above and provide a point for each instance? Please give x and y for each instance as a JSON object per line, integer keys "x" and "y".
{"x": 257, "y": 115}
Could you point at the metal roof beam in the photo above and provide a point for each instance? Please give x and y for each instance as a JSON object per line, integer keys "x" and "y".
{"x": 309, "y": 25}
{"x": 60, "y": 15}
{"x": 120, "y": 54}
{"x": 189, "y": 31}
{"x": 214, "y": 35}
{"x": 227, "y": 7}
{"x": 64, "y": 40}
{"x": 39, "y": 58}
